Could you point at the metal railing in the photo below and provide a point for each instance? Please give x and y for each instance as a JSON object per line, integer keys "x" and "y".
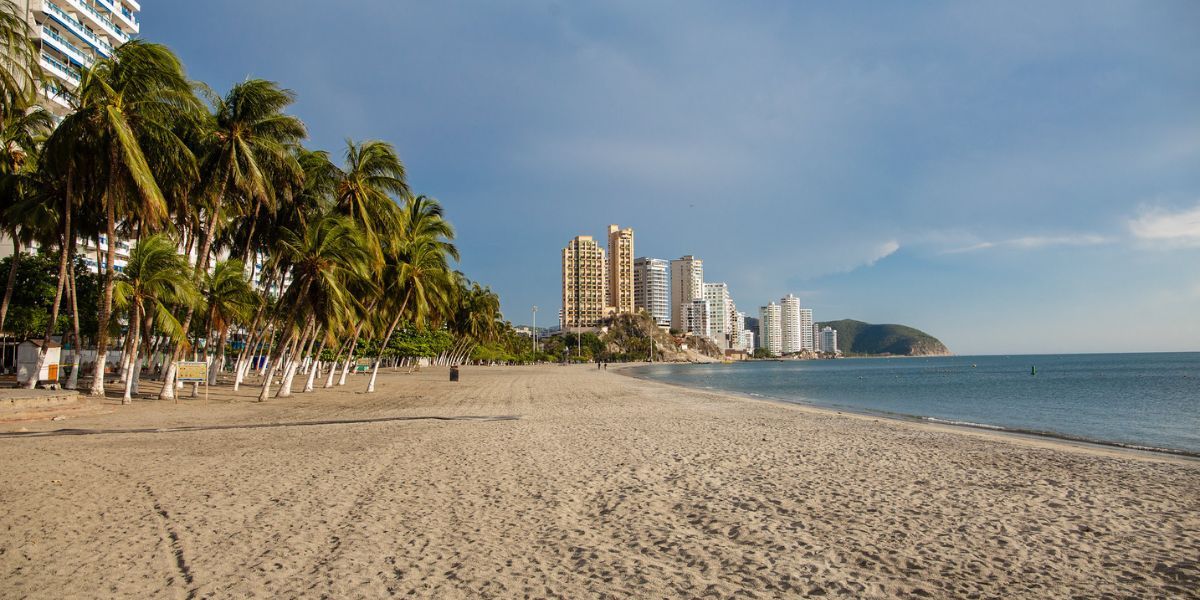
{"x": 54, "y": 35}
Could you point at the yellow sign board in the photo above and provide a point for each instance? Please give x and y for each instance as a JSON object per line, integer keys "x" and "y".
{"x": 191, "y": 371}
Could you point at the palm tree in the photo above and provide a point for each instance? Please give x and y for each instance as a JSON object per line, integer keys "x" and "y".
{"x": 372, "y": 175}
{"x": 247, "y": 144}
{"x": 230, "y": 299}
{"x": 416, "y": 277}
{"x": 20, "y": 133}
{"x": 416, "y": 282}
{"x": 20, "y": 74}
{"x": 156, "y": 278}
{"x": 125, "y": 121}
{"x": 322, "y": 259}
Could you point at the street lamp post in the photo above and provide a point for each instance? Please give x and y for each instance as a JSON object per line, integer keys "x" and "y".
{"x": 535, "y": 349}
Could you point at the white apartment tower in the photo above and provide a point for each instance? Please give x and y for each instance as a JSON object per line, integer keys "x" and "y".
{"x": 770, "y": 334}
{"x": 651, "y": 289}
{"x": 687, "y": 284}
{"x": 829, "y": 340}
{"x": 789, "y": 320}
{"x": 720, "y": 313}
{"x": 583, "y": 286}
{"x": 72, "y": 34}
{"x": 695, "y": 316}
{"x": 807, "y": 340}
{"x": 737, "y": 329}
{"x": 816, "y": 334}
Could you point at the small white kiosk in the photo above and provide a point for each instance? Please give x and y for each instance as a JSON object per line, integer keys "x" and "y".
{"x": 27, "y": 356}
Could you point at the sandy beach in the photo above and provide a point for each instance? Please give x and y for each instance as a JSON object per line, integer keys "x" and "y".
{"x": 566, "y": 482}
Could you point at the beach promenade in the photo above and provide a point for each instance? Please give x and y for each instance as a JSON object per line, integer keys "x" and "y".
{"x": 568, "y": 482}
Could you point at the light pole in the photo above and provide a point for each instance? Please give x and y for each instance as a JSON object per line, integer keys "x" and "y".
{"x": 535, "y": 329}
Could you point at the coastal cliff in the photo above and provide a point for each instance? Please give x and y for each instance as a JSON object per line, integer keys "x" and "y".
{"x": 859, "y": 338}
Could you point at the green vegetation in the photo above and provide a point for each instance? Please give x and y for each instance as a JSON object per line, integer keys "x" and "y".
{"x": 862, "y": 339}
{"x": 347, "y": 262}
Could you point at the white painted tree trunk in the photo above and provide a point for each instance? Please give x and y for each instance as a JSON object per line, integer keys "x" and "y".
{"x": 374, "y": 374}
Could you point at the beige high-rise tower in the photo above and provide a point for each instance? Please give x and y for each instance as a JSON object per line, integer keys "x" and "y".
{"x": 620, "y": 269}
{"x": 583, "y": 286}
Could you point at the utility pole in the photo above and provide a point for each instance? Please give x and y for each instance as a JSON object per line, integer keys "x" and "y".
{"x": 535, "y": 328}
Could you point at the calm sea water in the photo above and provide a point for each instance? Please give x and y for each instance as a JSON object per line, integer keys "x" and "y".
{"x": 1142, "y": 400}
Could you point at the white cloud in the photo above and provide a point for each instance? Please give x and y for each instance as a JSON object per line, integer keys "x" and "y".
{"x": 883, "y": 251}
{"x": 1036, "y": 241}
{"x": 1180, "y": 228}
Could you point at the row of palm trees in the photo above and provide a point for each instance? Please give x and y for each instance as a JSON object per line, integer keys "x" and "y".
{"x": 221, "y": 199}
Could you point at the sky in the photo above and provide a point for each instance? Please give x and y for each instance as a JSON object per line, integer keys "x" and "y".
{"x": 1009, "y": 176}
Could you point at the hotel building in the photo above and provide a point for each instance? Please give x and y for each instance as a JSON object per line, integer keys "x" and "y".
{"x": 620, "y": 269}
{"x": 829, "y": 341}
{"x": 687, "y": 284}
{"x": 651, "y": 289}
{"x": 72, "y": 34}
{"x": 696, "y": 314}
{"x": 720, "y": 313}
{"x": 807, "y": 341}
{"x": 770, "y": 329}
{"x": 583, "y": 287}
{"x": 789, "y": 319}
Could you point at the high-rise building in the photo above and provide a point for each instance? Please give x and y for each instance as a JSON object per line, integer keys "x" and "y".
{"x": 720, "y": 313}
{"x": 74, "y": 34}
{"x": 582, "y": 283}
{"x": 737, "y": 327}
{"x": 687, "y": 284}
{"x": 789, "y": 319}
{"x": 651, "y": 289}
{"x": 807, "y": 341}
{"x": 816, "y": 334}
{"x": 770, "y": 329}
{"x": 748, "y": 340}
{"x": 70, "y": 35}
{"x": 620, "y": 269}
{"x": 695, "y": 314}
{"x": 829, "y": 341}
{"x": 751, "y": 324}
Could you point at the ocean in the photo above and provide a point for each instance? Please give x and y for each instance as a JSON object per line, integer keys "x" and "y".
{"x": 1148, "y": 401}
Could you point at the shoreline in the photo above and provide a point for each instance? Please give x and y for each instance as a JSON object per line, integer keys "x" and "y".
{"x": 1040, "y": 438}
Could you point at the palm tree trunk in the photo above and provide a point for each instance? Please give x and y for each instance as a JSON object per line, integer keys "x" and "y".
{"x": 64, "y": 249}
{"x": 219, "y": 359}
{"x": 135, "y": 333}
{"x": 387, "y": 338}
{"x": 250, "y": 234}
{"x": 353, "y": 346}
{"x": 168, "y": 389}
{"x": 289, "y": 370}
{"x": 315, "y": 367}
{"x": 12, "y": 280}
{"x": 284, "y": 350}
{"x": 77, "y": 341}
{"x": 333, "y": 365}
{"x": 105, "y": 311}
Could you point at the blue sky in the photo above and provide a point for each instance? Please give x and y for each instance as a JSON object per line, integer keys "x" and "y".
{"x": 1008, "y": 176}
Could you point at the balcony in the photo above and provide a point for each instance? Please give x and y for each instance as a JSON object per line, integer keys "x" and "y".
{"x": 100, "y": 21}
{"x": 124, "y": 15}
{"x": 59, "y": 95}
{"x": 59, "y": 42}
{"x": 60, "y": 69}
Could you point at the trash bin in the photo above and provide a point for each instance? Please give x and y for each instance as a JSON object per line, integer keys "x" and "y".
{"x": 454, "y": 373}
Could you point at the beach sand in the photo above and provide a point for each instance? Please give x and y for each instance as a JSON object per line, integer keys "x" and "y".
{"x": 604, "y": 486}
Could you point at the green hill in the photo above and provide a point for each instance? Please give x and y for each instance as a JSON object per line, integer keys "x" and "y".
{"x": 856, "y": 337}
